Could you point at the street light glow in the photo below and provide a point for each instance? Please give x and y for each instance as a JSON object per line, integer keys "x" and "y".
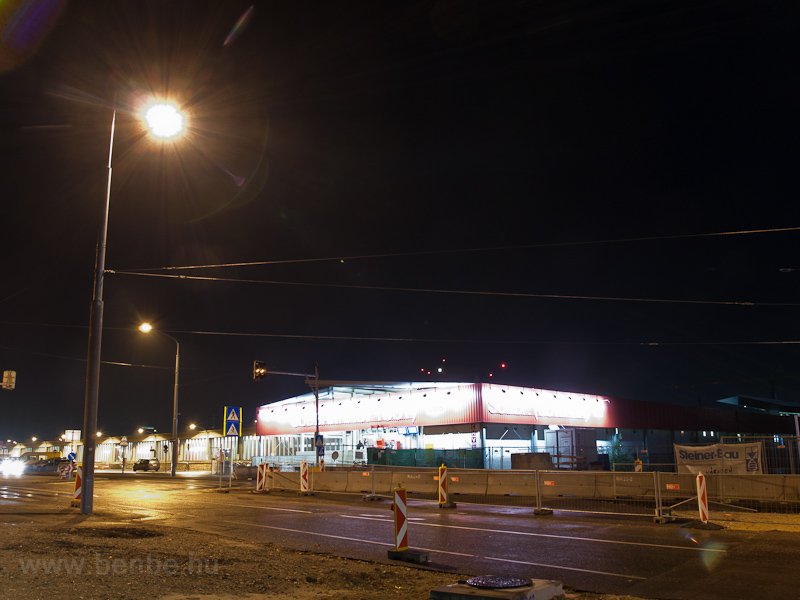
{"x": 145, "y": 328}
{"x": 164, "y": 120}
{"x": 192, "y": 426}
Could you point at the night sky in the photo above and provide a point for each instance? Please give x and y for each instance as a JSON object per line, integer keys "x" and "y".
{"x": 570, "y": 148}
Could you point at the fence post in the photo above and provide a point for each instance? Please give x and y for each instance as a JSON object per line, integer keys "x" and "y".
{"x": 539, "y": 510}
{"x": 372, "y": 495}
{"x": 659, "y": 518}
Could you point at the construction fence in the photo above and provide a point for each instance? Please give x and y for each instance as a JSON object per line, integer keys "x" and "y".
{"x": 655, "y": 494}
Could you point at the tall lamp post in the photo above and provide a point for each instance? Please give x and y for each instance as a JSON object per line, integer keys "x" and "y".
{"x": 147, "y": 328}
{"x": 164, "y": 121}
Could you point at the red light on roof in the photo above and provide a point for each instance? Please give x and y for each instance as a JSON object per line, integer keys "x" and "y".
{"x": 503, "y": 365}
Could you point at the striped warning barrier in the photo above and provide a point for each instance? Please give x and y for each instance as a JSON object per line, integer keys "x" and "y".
{"x": 442, "y": 485}
{"x": 76, "y": 495}
{"x": 702, "y": 497}
{"x": 400, "y": 520}
{"x": 261, "y": 477}
{"x": 444, "y": 502}
{"x": 304, "y": 477}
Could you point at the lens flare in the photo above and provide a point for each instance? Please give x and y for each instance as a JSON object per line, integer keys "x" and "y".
{"x": 241, "y": 23}
{"x": 24, "y": 25}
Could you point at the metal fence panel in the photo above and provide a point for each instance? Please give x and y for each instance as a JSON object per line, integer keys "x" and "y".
{"x": 599, "y": 492}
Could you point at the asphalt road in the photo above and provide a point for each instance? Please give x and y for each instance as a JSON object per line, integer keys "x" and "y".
{"x": 600, "y": 554}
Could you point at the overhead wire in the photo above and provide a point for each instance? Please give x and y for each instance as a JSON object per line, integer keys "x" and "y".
{"x": 290, "y": 336}
{"x": 749, "y": 303}
{"x": 470, "y": 250}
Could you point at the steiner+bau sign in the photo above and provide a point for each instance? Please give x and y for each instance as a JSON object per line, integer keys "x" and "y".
{"x": 720, "y": 459}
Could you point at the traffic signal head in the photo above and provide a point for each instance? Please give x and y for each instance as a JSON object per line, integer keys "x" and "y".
{"x": 259, "y": 370}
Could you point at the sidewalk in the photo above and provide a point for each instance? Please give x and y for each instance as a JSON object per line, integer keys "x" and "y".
{"x": 748, "y": 521}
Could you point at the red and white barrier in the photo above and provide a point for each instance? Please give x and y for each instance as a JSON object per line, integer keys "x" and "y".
{"x": 702, "y": 497}
{"x": 442, "y": 486}
{"x": 76, "y": 494}
{"x": 304, "y": 477}
{"x": 400, "y": 520}
{"x": 261, "y": 477}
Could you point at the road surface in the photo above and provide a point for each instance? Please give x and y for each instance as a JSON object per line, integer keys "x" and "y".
{"x": 599, "y": 554}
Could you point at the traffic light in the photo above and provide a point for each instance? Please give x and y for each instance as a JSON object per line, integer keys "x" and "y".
{"x": 259, "y": 370}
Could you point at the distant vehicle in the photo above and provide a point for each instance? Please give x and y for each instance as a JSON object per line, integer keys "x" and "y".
{"x": 50, "y": 466}
{"x": 147, "y": 464}
{"x": 11, "y": 466}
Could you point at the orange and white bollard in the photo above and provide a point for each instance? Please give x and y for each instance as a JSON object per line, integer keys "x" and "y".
{"x": 304, "y": 478}
{"x": 76, "y": 494}
{"x": 702, "y": 498}
{"x": 443, "y": 500}
{"x": 401, "y": 550}
{"x": 261, "y": 477}
{"x": 400, "y": 520}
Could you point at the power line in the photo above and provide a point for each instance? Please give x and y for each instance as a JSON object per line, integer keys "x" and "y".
{"x": 346, "y": 338}
{"x": 79, "y": 359}
{"x": 462, "y": 292}
{"x": 351, "y": 338}
{"x": 470, "y": 250}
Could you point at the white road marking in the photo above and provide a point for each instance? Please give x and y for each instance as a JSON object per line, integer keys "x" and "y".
{"x": 368, "y": 518}
{"x": 295, "y": 510}
{"x": 551, "y": 535}
{"x": 19, "y": 489}
{"x": 337, "y": 537}
{"x": 534, "y": 564}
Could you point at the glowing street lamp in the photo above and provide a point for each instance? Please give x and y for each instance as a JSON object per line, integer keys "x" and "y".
{"x": 147, "y": 328}
{"x": 192, "y": 426}
{"x": 164, "y": 122}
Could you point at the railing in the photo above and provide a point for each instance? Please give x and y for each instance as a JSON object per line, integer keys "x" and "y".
{"x": 650, "y": 494}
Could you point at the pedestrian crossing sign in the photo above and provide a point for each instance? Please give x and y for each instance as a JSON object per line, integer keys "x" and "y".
{"x": 233, "y": 420}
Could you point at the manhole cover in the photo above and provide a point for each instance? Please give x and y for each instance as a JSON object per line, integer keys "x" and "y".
{"x": 498, "y": 582}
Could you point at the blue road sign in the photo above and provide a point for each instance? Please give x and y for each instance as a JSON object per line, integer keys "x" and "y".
{"x": 233, "y": 420}
{"x": 319, "y": 442}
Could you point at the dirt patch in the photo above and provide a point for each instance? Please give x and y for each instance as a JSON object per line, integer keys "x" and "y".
{"x": 122, "y": 532}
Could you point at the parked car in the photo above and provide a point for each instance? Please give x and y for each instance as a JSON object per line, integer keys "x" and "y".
{"x": 147, "y": 464}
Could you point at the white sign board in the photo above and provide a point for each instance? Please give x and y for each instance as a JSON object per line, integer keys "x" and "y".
{"x": 720, "y": 459}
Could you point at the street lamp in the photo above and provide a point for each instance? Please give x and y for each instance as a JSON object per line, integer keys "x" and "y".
{"x": 158, "y": 118}
{"x": 147, "y": 328}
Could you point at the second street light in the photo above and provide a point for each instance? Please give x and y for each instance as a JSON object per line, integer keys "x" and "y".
{"x": 147, "y": 328}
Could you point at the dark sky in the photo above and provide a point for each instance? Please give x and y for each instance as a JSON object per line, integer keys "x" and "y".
{"x": 477, "y": 142}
